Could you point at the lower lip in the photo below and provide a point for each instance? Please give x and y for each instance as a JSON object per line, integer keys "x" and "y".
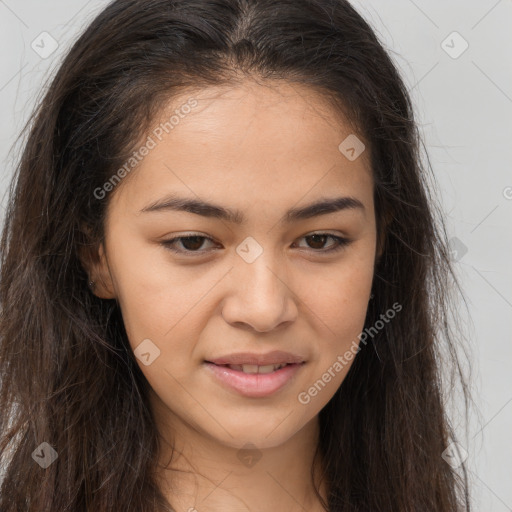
{"x": 254, "y": 385}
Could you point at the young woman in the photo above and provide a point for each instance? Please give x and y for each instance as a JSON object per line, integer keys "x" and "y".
{"x": 223, "y": 282}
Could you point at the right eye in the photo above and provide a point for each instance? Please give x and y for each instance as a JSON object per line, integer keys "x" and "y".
{"x": 191, "y": 244}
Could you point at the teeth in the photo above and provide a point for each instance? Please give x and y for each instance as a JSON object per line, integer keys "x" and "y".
{"x": 254, "y": 368}
{"x": 250, "y": 368}
{"x": 268, "y": 368}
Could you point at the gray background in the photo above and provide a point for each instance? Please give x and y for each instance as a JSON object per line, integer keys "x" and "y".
{"x": 464, "y": 106}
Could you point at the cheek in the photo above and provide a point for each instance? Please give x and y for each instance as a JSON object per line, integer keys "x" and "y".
{"x": 168, "y": 316}
{"x": 339, "y": 306}
{"x": 154, "y": 296}
{"x": 340, "y": 299}
{"x": 344, "y": 304}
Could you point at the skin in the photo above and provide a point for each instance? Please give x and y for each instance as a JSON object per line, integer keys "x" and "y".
{"x": 262, "y": 149}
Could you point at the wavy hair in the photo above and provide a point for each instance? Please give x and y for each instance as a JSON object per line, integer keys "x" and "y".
{"x": 68, "y": 376}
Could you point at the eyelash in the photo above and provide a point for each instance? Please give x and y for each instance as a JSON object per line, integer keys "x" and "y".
{"x": 341, "y": 243}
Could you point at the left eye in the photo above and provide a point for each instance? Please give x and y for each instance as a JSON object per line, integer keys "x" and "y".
{"x": 192, "y": 243}
{"x": 318, "y": 239}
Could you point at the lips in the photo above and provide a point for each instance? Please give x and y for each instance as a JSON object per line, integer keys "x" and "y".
{"x": 248, "y": 359}
{"x": 254, "y": 368}
{"x": 255, "y": 375}
{"x": 254, "y": 385}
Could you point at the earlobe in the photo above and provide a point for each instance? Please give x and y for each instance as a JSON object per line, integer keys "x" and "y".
{"x": 381, "y": 236}
{"x": 95, "y": 263}
{"x": 379, "y": 250}
{"x": 381, "y": 242}
{"x": 101, "y": 276}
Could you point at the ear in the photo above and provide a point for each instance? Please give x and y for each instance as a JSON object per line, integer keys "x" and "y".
{"x": 381, "y": 239}
{"x": 94, "y": 260}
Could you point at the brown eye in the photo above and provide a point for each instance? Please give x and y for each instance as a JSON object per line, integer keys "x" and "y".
{"x": 317, "y": 241}
{"x": 190, "y": 244}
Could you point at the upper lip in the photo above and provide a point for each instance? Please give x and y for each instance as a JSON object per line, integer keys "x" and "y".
{"x": 275, "y": 357}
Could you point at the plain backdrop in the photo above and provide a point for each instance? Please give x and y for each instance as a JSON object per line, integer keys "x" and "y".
{"x": 455, "y": 57}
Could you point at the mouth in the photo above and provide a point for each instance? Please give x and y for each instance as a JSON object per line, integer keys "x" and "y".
{"x": 253, "y": 360}
{"x": 254, "y": 368}
{"x": 252, "y": 380}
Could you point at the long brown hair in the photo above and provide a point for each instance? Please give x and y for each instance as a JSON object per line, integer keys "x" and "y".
{"x": 68, "y": 376}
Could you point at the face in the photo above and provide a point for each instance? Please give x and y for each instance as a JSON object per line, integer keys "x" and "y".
{"x": 263, "y": 278}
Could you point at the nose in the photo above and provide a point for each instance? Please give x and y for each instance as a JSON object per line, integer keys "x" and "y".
{"x": 260, "y": 297}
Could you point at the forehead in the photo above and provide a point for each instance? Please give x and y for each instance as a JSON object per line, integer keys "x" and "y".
{"x": 248, "y": 144}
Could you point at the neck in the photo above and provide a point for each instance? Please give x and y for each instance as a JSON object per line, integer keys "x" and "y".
{"x": 203, "y": 475}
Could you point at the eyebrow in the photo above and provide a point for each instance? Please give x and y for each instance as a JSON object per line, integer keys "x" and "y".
{"x": 205, "y": 209}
